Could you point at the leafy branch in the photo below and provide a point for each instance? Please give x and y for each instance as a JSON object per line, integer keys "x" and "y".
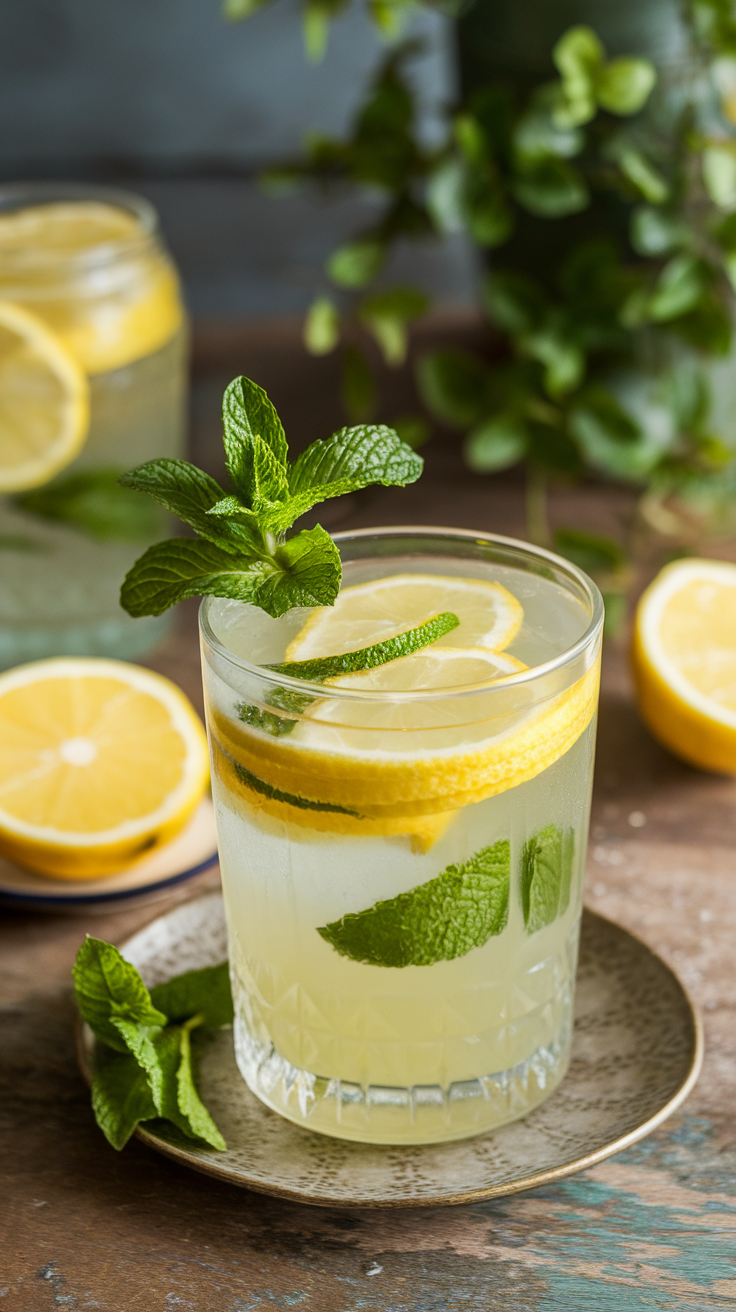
{"x": 241, "y": 550}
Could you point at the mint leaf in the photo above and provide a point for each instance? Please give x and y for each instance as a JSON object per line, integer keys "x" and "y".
{"x": 108, "y": 989}
{"x": 182, "y": 567}
{"x": 440, "y": 920}
{"x": 546, "y": 876}
{"x": 190, "y": 1105}
{"x": 291, "y": 799}
{"x": 353, "y": 458}
{"x": 92, "y": 501}
{"x": 247, "y": 414}
{"x": 244, "y": 556}
{"x": 198, "y": 992}
{"x": 326, "y": 667}
{"x": 121, "y": 1097}
{"x": 142, "y": 1070}
{"x": 305, "y": 571}
{"x": 189, "y": 493}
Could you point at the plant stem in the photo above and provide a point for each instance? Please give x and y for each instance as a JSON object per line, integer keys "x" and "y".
{"x": 537, "y": 524}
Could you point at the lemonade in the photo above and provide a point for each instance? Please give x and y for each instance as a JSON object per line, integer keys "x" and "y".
{"x": 402, "y": 843}
{"x": 92, "y": 380}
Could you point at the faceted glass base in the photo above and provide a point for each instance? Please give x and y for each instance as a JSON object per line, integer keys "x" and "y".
{"x": 425, "y": 1113}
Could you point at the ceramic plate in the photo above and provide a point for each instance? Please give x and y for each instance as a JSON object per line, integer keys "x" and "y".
{"x": 636, "y": 1055}
{"x": 187, "y": 855}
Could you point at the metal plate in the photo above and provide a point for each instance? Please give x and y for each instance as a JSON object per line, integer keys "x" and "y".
{"x": 637, "y": 1051}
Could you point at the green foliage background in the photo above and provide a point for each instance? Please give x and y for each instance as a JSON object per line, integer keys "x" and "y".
{"x": 605, "y": 203}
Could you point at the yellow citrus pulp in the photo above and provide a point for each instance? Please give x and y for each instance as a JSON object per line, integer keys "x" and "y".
{"x": 132, "y": 307}
{"x": 428, "y": 763}
{"x": 44, "y": 401}
{"x": 684, "y": 661}
{"x": 490, "y": 616}
{"x": 100, "y": 763}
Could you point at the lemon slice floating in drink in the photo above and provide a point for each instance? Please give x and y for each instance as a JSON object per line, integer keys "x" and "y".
{"x": 100, "y": 763}
{"x": 327, "y": 773}
{"x": 44, "y": 401}
{"x": 684, "y": 659}
{"x": 490, "y": 616}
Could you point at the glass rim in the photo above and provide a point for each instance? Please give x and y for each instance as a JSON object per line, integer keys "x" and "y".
{"x": 375, "y": 695}
{"x": 23, "y": 195}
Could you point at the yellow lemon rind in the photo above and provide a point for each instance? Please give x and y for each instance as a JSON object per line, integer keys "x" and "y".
{"x": 677, "y": 716}
{"x": 686, "y": 731}
{"x": 417, "y": 787}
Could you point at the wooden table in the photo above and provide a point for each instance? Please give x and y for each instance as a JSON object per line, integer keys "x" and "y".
{"x": 654, "y": 1228}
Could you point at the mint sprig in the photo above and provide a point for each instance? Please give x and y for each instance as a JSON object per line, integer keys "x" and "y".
{"x": 143, "y": 1062}
{"x": 320, "y": 668}
{"x": 243, "y": 553}
{"x": 445, "y": 918}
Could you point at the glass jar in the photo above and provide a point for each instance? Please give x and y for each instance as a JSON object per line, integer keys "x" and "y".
{"x": 88, "y": 295}
{"x": 403, "y": 869}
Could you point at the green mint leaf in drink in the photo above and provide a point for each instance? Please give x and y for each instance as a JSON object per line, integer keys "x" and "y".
{"x": 108, "y": 988}
{"x": 546, "y": 875}
{"x": 203, "y": 992}
{"x": 440, "y": 920}
{"x": 121, "y": 1096}
{"x": 330, "y": 667}
{"x": 320, "y": 668}
{"x": 92, "y": 501}
{"x": 245, "y": 554}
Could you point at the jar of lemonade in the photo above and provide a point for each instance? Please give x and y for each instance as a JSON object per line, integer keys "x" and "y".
{"x": 92, "y": 381}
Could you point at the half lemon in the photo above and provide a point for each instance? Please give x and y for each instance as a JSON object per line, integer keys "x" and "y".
{"x": 684, "y": 661}
{"x": 101, "y": 762}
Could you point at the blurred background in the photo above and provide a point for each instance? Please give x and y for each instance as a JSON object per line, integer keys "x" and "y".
{"x": 173, "y": 101}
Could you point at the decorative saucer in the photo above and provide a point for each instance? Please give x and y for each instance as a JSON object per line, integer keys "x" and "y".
{"x": 637, "y": 1051}
{"x": 187, "y": 855}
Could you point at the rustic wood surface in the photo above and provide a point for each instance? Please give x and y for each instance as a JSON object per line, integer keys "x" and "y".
{"x": 655, "y": 1227}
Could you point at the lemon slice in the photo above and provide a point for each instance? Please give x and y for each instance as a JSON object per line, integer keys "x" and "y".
{"x": 684, "y": 659}
{"x": 431, "y": 668}
{"x": 100, "y": 763}
{"x": 490, "y": 616}
{"x": 122, "y": 300}
{"x": 44, "y": 402}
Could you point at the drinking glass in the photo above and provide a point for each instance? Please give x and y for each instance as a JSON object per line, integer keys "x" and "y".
{"x": 402, "y": 871}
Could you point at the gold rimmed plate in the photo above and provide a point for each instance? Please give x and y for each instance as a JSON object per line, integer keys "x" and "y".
{"x": 637, "y": 1050}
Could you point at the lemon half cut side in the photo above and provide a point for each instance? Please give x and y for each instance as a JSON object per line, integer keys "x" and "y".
{"x": 44, "y": 401}
{"x": 101, "y": 762}
{"x": 684, "y": 661}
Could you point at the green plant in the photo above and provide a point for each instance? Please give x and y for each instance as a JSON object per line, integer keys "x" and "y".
{"x": 610, "y": 335}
